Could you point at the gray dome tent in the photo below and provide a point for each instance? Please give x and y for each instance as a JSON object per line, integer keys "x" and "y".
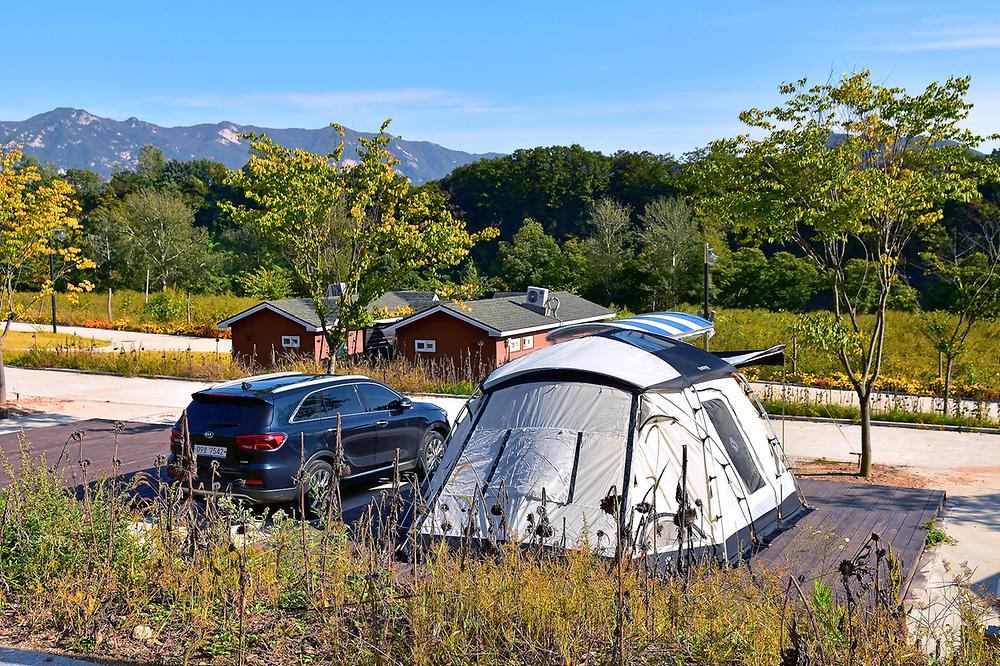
{"x": 619, "y": 432}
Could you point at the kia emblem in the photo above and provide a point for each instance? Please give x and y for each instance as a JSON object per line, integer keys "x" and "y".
{"x": 209, "y": 435}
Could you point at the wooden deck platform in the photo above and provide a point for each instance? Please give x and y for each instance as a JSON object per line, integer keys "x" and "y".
{"x": 841, "y": 518}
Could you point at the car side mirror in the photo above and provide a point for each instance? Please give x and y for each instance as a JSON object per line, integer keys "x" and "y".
{"x": 404, "y": 403}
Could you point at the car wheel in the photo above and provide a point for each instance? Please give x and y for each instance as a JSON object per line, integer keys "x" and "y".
{"x": 318, "y": 478}
{"x": 431, "y": 451}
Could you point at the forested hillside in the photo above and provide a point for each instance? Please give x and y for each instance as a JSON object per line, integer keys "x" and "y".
{"x": 616, "y": 228}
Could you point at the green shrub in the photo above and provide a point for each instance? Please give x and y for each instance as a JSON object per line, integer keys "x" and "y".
{"x": 165, "y": 306}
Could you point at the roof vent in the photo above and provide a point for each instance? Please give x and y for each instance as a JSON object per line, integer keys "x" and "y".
{"x": 336, "y": 290}
{"x": 536, "y": 298}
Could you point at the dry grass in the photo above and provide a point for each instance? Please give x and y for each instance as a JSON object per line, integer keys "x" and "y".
{"x": 909, "y": 356}
{"x": 434, "y": 377}
{"x": 165, "y": 580}
{"x": 23, "y": 340}
{"x": 131, "y": 305}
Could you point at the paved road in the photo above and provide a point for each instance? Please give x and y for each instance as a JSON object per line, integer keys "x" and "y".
{"x": 15, "y": 657}
{"x": 131, "y": 340}
{"x": 965, "y": 465}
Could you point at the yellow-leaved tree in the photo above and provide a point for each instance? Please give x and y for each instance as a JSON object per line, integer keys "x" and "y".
{"x": 357, "y": 223}
{"x": 39, "y": 242}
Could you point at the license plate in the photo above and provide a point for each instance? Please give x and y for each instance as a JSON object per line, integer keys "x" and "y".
{"x": 210, "y": 451}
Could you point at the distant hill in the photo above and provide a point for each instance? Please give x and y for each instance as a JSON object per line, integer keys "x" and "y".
{"x": 74, "y": 138}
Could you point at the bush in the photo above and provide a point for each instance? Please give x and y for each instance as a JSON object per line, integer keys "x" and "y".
{"x": 165, "y": 306}
{"x": 265, "y": 284}
{"x": 861, "y": 282}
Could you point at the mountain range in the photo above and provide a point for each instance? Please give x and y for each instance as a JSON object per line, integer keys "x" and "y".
{"x": 74, "y": 138}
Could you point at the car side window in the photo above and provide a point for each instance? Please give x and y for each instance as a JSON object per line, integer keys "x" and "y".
{"x": 311, "y": 408}
{"x": 377, "y": 398}
{"x": 342, "y": 400}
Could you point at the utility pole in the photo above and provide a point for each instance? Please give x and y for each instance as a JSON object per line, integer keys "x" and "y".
{"x": 673, "y": 280}
{"x": 710, "y": 259}
{"x": 52, "y": 277}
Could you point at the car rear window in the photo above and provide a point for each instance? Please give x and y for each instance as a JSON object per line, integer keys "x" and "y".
{"x": 219, "y": 411}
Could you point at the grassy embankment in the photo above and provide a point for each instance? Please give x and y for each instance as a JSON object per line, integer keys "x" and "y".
{"x": 910, "y": 360}
{"x": 131, "y": 312}
{"x": 910, "y": 365}
{"x": 166, "y": 581}
{"x": 22, "y": 341}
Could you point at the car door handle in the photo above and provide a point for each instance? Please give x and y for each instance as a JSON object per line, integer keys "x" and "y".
{"x": 381, "y": 424}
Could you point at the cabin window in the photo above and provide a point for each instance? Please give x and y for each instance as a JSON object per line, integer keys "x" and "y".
{"x": 514, "y": 344}
{"x": 290, "y": 341}
{"x": 528, "y": 342}
{"x": 735, "y": 444}
{"x": 426, "y": 346}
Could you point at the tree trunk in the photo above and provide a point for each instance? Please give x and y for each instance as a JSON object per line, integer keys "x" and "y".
{"x": 864, "y": 402}
{"x": 3, "y": 377}
{"x": 147, "y": 286}
{"x": 110, "y": 318}
{"x": 947, "y": 383}
{"x": 188, "y": 306}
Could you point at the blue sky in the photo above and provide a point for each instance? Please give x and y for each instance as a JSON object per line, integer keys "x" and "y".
{"x": 665, "y": 76}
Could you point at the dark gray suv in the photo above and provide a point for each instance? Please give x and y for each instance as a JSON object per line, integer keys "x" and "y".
{"x": 253, "y": 431}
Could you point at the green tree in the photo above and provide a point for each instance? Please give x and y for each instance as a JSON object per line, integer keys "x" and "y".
{"x": 160, "y": 244}
{"x": 861, "y": 283}
{"x": 741, "y": 278}
{"x": 555, "y": 185}
{"x": 748, "y": 279}
{"x": 638, "y": 178}
{"x": 609, "y": 247}
{"x": 532, "y": 258}
{"x": 671, "y": 244}
{"x": 846, "y": 166}
{"x": 359, "y": 225}
{"x": 967, "y": 261}
{"x": 789, "y": 282}
{"x": 106, "y": 245}
{"x": 39, "y": 241}
{"x": 575, "y": 263}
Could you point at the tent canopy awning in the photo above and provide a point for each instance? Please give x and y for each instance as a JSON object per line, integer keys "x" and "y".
{"x": 672, "y": 325}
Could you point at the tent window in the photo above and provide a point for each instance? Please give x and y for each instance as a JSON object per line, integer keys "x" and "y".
{"x": 735, "y": 444}
{"x": 535, "y": 460}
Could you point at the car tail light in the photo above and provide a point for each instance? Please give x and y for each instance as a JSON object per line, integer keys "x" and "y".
{"x": 269, "y": 442}
{"x": 175, "y": 436}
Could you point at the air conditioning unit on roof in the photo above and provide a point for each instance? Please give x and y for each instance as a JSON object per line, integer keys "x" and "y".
{"x": 537, "y": 298}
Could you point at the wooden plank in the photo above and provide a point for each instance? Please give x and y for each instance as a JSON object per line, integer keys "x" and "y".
{"x": 853, "y": 512}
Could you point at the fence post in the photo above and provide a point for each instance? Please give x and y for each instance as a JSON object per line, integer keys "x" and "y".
{"x": 795, "y": 354}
